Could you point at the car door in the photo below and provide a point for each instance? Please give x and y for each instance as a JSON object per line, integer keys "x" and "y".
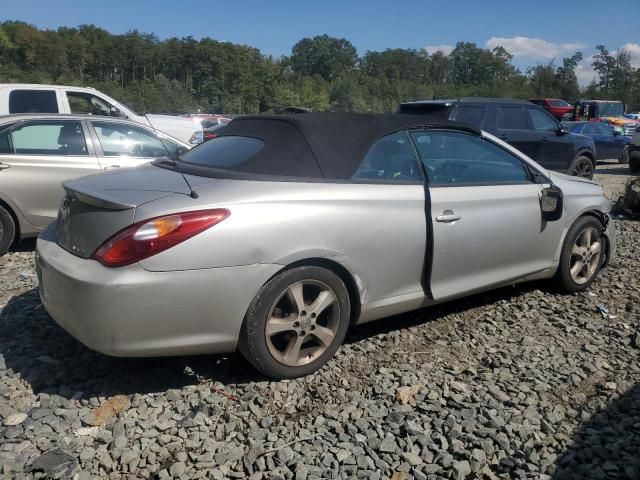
{"x": 512, "y": 126}
{"x": 554, "y": 150}
{"x": 612, "y": 143}
{"x": 121, "y": 144}
{"x": 485, "y": 214}
{"x": 36, "y": 157}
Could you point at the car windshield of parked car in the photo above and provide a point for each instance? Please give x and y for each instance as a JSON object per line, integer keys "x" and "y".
{"x": 610, "y": 109}
{"x": 454, "y": 158}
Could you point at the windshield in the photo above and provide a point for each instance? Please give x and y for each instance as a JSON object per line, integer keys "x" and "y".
{"x": 610, "y": 109}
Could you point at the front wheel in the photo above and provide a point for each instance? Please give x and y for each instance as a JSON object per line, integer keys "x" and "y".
{"x": 582, "y": 167}
{"x": 624, "y": 158}
{"x": 582, "y": 255}
{"x": 7, "y": 230}
{"x": 296, "y": 322}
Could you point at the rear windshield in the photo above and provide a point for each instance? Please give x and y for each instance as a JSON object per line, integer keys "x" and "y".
{"x": 257, "y": 147}
{"x": 224, "y": 152}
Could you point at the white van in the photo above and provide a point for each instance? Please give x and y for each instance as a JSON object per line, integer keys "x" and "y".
{"x": 35, "y": 98}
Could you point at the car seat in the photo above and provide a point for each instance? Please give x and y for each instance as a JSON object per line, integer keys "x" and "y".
{"x": 71, "y": 140}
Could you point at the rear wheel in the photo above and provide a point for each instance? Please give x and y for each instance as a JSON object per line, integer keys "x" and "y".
{"x": 296, "y": 322}
{"x": 582, "y": 167}
{"x": 582, "y": 255}
{"x": 624, "y": 158}
{"x": 7, "y": 230}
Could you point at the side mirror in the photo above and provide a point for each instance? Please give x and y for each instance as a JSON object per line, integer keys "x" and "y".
{"x": 551, "y": 203}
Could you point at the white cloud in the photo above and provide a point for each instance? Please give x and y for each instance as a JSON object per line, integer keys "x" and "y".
{"x": 533, "y": 48}
{"x": 446, "y": 49}
{"x": 585, "y": 73}
{"x": 634, "y": 50}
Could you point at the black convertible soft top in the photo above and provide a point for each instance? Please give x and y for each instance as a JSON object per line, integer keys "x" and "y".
{"x": 317, "y": 145}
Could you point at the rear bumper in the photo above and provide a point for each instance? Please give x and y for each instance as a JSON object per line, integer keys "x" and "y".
{"x": 129, "y": 311}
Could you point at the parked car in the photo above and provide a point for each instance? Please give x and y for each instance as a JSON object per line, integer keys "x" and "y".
{"x": 609, "y": 142}
{"x": 528, "y": 127}
{"x": 213, "y": 131}
{"x": 39, "y": 152}
{"x": 609, "y": 111}
{"x": 634, "y": 152}
{"x": 280, "y": 234}
{"x": 555, "y": 106}
{"x": 35, "y": 98}
{"x": 205, "y": 121}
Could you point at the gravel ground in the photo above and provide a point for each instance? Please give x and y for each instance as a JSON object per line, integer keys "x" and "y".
{"x": 516, "y": 383}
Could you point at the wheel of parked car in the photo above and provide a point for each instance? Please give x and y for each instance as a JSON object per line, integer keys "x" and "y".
{"x": 582, "y": 255}
{"x": 7, "y": 230}
{"x": 582, "y": 167}
{"x": 296, "y": 322}
{"x": 634, "y": 164}
{"x": 624, "y": 158}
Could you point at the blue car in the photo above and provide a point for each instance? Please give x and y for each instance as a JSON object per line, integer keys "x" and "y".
{"x": 610, "y": 144}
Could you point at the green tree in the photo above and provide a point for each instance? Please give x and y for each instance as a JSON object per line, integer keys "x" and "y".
{"x": 323, "y": 55}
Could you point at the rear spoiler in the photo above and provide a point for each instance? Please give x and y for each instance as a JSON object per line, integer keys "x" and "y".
{"x": 94, "y": 198}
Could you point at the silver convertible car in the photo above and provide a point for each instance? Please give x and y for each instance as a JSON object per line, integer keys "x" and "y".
{"x": 278, "y": 235}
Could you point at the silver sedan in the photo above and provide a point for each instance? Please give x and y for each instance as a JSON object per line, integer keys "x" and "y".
{"x": 278, "y": 235}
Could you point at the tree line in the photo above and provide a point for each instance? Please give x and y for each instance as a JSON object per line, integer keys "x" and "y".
{"x": 179, "y": 75}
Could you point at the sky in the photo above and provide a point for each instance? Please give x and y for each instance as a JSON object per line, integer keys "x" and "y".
{"x": 534, "y": 31}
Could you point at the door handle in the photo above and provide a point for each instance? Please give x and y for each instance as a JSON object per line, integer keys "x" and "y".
{"x": 4, "y": 166}
{"x": 109, "y": 167}
{"x": 447, "y": 217}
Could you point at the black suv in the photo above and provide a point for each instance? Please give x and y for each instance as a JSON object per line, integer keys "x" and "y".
{"x": 526, "y": 126}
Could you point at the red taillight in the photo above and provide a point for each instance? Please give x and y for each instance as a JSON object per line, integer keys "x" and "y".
{"x": 144, "y": 239}
{"x": 209, "y": 136}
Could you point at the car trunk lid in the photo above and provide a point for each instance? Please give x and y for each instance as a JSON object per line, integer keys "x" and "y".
{"x": 98, "y": 206}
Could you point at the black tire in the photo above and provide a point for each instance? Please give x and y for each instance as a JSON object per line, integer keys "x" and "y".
{"x": 7, "y": 230}
{"x": 252, "y": 342}
{"x": 564, "y": 280}
{"x": 634, "y": 162}
{"x": 624, "y": 158}
{"x": 582, "y": 166}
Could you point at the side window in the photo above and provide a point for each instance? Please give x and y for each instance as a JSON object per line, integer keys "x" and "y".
{"x": 605, "y": 129}
{"x": 390, "y": 159}
{"x": 468, "y": 114}
{"x": 33, "y": 101}
{"x": 87, "y": 104}
{"x": 589, "y": 129}
{"x": 512, "y": 118}
{"x": 118, "y": 139}
{"x": 49, "y": 138}
{"x": 6, "y": 145}
{"x": 455, "y": 158}
{"x": 172, "y": 147}
{"x": 541, "y": 121}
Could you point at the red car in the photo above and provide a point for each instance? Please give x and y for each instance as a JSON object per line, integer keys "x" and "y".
{"x": 555, "y": 106}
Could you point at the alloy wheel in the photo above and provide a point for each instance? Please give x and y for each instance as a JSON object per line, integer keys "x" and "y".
{"x": 585, "y": 256}
{"x": 302, "y": 323}
{"x": 583, "y": 168}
